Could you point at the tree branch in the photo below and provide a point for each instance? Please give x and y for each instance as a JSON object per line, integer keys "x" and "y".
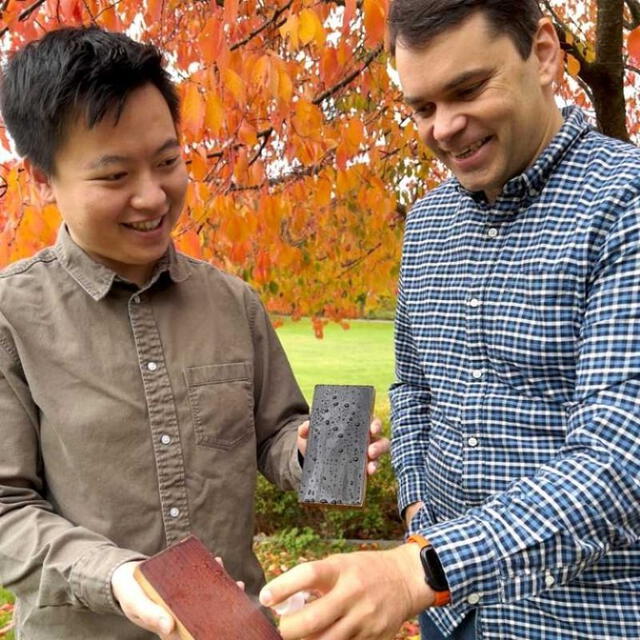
{"x": 265, "y": 138}
{"x": 634, "y": 10}
{"x": 349, "y": 78}
{"x": 262, "y": 27}
{"x": 354, "y": 263}
{"x": 24, "y": 14}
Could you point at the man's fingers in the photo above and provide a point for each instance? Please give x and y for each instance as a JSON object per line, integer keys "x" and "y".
{"x": 303, "y": 435}
{"x": 303, "y": 429}
{"x": 140, "y": 610}
{"x": 314, "y": 577}
{"x": 136, "y": 605}
{"x": 378, "y": 448}
{"x": 316, "y": 616}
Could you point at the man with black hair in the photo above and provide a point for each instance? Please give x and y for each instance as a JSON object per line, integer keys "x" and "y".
{"x": 516, "y": 411}
{"x": 140, "y": 390}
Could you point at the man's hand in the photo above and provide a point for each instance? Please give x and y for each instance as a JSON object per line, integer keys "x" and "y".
{"x": 411, "y": 511}
{"x": 363, "y": 595}
{"x": 378, "y": 445}
{"x": 138, "y": 607}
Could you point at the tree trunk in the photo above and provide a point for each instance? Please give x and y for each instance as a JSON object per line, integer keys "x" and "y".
{"x": 606, "y": 75}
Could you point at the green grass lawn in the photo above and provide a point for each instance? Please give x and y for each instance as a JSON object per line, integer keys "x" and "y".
{"x": 362, "y": 354}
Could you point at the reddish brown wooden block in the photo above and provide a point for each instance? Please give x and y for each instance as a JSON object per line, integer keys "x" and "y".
{"x": 205, "y": 601}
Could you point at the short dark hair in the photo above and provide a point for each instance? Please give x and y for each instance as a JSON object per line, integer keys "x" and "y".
{"x": 74, "y": 72}
{"x": 414, "y": 22}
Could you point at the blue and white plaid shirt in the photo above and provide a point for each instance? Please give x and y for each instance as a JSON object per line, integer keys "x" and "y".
{"x": 517, "y": 408}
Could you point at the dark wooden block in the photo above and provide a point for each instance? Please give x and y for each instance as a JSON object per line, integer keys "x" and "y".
{"x": 335, "y": 465}
{"x": 205, "y": 601}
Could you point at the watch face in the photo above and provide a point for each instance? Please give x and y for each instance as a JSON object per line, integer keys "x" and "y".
{"x": 433, "y": 570}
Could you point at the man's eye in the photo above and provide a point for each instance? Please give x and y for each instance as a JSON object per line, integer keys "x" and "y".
{"x": 113, "y": 177}
{"x": 169, "y": 162}
{"x": 471, "y": 91}
{"x": 424, "y": 111}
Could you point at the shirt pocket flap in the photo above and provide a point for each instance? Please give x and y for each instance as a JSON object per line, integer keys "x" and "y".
{"x": 217, "y": 373}
{"x": 221, "y": 399}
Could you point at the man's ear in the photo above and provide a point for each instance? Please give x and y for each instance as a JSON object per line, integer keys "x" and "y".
{"x": 546, "y": 48}
{"x": 42, "y": 182}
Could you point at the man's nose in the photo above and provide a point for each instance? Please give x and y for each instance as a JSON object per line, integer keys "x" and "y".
{"x": 149, "y": 194}
{"x": 446, "y": 124}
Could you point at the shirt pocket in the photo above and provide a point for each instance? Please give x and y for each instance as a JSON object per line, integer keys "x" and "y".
{"x": 532, "y": 330}
{"x": 221, "y": 399}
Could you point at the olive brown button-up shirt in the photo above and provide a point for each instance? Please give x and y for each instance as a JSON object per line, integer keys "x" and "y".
{"x": 129, "y": 418}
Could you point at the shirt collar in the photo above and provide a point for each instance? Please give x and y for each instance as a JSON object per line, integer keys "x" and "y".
{"x": 97, "y": 279}
{"x": 532, "y": 180}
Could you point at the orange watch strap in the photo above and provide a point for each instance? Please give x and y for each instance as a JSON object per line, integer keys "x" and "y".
{"x": 441, "y": 597}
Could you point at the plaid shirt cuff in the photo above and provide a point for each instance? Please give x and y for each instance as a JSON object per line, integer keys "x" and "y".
{"x": 468, "y": 560}
{"x": 411, "y": 488}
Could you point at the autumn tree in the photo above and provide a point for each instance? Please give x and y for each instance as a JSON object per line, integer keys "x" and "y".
{"x": 601, "y": 40}
{"x": 295, "y": 137}
{"x": 303, "y": 159}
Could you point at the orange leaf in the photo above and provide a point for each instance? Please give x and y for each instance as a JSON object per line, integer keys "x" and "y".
{"x": 214, "y": 114}
{"x": 285, "y": 87}
{"x": 110, "y": 20}
{"x": 328, "y": 64}
{"x": 348, "y": 15}
{"x": 193, "y": 109}
{"x": 355, "y": 133}
{"x": 374, "y": 22}
{"x": 199, "y": 167}
{"x": 290, "y": 30}
{"x": 247, "y": 134}
{"x": 573, "y": 65}
{"x": 230, "y": 11}
{"x": 211, "y": 40}
{"x": 633, "y": 45}
{"x": 154, "y": 11}
{"x": 261, "y": 71}
{"x": 309, "y": 26}
{"x": 233, "y": 82}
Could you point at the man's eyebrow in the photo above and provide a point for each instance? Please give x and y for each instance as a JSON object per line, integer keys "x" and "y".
{"x": 105, "y": 161}
{"x": 458, "y": 81}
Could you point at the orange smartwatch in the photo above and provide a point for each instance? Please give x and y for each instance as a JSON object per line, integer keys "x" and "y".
{"x": 433, "y": 572}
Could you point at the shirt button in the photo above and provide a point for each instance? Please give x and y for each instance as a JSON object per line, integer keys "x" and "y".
{"x": 152, "y": 366}
{"x": 549, "y": 580}
{"x": 492, "y": 232}
{"x": 136, "y": 299}
{"x": 474, "y": 302}
{"x": 477, "y": 373}
{"x": 165, "y": 439}
{"x": 473, "y": 442}
{"x": 474, "y": 598}
{"x": 174, "y": 512}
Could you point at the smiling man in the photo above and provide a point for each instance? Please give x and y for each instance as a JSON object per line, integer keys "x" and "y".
{"x": 141, "y": 391}
{"x": 516, "y": 411}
